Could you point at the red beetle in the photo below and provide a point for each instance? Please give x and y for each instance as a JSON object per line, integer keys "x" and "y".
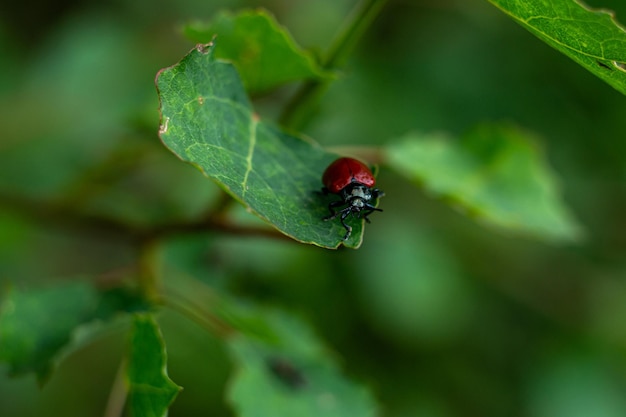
{"x": 352, "y": 180}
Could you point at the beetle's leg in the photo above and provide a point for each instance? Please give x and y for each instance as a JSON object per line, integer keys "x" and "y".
{"x": 376, "y": 193}
{"x": 343, "y": 222}
{"x": 370, "y": 209}
{"x": 333, "y": 213}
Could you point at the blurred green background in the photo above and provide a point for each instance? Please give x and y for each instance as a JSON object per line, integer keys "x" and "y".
{"x": 439, "y": 315}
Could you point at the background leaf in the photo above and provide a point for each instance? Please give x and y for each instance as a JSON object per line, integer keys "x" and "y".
{"x": 36, "y": 325}
{"x": 424, "y": 299}
{"x": 292, "y": 374}
{"x": 494, "y": 316}
{"x": 151, "y": 391}
{"x": 264, "y": 52}
{"x": 496, "y": 173}
{"x": 590, "y": 37}
{"x": 208, "y": 121}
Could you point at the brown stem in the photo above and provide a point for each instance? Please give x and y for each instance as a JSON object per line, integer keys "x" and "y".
{"x": 68, "y": 218}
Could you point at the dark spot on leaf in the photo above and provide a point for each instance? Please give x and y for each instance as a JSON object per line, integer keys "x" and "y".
{"x": 286, "y": 372}
{"x": 603, "y": 65}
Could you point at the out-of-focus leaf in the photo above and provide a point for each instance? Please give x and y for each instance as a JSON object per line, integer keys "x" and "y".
{"x": 36, "y": 325}
{"x": 207, "y": 120}
{"x": 73, "y": 132}
{"x": 264, "y": 52}
{"x": 576, "y": 385}
{"x": 424, "y": 298}
{"x": 590, "y": 37}
{"x": 495, "y": 173}
{"x": 151, "y": 391}
{"x": 291, "y": 375}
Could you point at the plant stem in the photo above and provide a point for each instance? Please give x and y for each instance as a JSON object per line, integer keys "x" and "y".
{"x": 148, "y": 275}
{"x": 68, "y": 217}
{"x": 187, "y": 308}
{"x": 358, "y": 22}
{"x": 301, "y": 106}
{"x": 119, "y": 392}
{"x": 221, "y": 206}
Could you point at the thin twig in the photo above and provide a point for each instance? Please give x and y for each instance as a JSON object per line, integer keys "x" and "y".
{"x": 218, "y": 225}
{"x": 66, "y": 217}
{"x": 69, "y": 218}
{"x": 148, "y": 265}
{"x": 185, "y": 306}
{"x": 220, "y": 206}
{"x": 119, "y": 392}
{"x": 302, "y": 104}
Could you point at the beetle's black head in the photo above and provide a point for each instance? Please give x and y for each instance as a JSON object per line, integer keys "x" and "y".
{"x": 356, "y": 199}
{"x": 356, "y": 196}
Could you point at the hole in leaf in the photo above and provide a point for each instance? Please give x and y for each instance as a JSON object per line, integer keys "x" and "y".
{"x": 204, "y": 48}
{"x": 620, "y": 65}
{"x": 163, "y": 127}
{"x": 603, "y": 65}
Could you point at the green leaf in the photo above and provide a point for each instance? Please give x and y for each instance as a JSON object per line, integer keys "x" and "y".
{"x": 36, "y": 325}
{"x": 425, "y": 299}
{"x": 151, "y": 391}
{"x": 208, "y": 121}
{"x": 264, "y": 52}
{"x": 496, "y": 173}
{"x": 291, "y": 375}
{"x": 590, "y": 37}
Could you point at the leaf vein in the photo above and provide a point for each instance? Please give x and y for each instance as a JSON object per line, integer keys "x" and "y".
{"x": 254, "y": 122}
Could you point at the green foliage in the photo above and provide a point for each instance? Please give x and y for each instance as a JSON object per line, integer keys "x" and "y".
{"x": 151, "y": 391}
{"x": 36, "y": 325}
{"x": 424, "y": 297}
{"x": 442, "y": 315}
{"x": 590, "y": 37}
{"x": 207, "y": 120}
{"x": 497, "y": 174}
{"x": 264, "y": 53}
{"x": 291, "y": 372}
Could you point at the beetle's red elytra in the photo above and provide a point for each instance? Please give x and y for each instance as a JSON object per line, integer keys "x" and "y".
{"x": 352, "y": 180}
{"x": 344, "y": 171}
